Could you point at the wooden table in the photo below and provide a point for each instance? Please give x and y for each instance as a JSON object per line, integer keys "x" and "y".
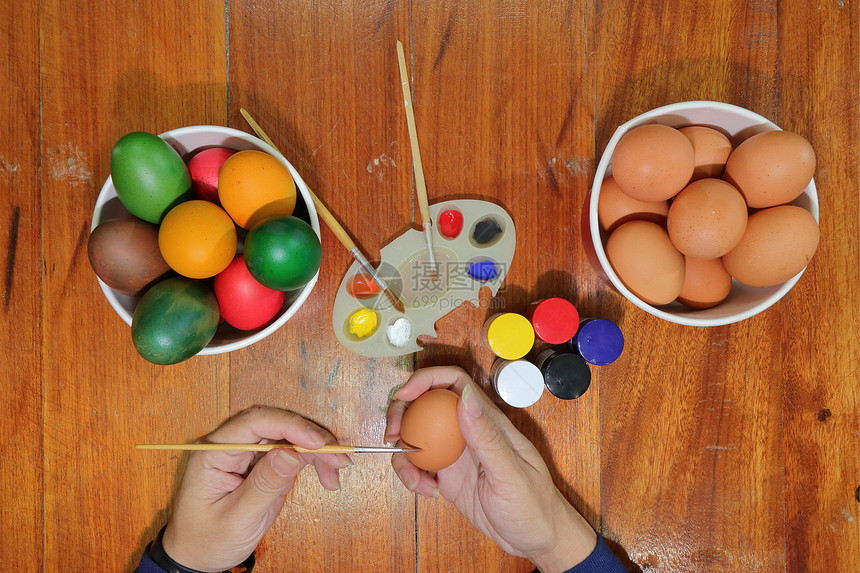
{"x": 732, "y": 448}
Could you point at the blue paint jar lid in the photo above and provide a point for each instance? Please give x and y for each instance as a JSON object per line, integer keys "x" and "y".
{"x": 565, "y": 374}
{"x": 598, "y": 341}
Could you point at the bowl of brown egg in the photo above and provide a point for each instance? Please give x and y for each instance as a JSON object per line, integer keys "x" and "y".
{"x": 703, "y": 213}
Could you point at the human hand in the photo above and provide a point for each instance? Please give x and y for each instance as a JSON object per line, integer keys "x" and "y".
{"x": 500, "y": 483}
{"x": 228, "y": 500}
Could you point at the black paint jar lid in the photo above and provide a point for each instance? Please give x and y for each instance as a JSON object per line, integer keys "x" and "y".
{"x": 566, "y": 375}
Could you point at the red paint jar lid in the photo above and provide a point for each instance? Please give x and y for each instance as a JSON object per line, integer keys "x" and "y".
{"x": 555, "y": 320}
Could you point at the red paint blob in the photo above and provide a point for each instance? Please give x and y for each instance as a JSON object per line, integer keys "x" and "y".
{"x": 450, "y": 223}
{"x": 243, "y": 302}
{"x": 204, "y": 168}
{"x": 362, "y": 286}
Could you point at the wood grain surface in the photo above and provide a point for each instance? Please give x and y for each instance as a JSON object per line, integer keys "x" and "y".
{"x": 732, "y": 448}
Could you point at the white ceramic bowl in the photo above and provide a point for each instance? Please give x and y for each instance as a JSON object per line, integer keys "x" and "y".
{"x": 738, "y": 124}
{"x": 185, "y": 140}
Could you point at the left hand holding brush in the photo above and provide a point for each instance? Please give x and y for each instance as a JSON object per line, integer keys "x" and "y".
{"x": 228, "y": 500}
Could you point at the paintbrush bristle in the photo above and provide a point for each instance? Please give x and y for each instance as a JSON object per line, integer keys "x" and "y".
{"x": 395, "y": 301}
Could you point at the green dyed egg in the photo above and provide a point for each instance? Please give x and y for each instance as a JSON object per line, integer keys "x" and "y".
{"x": 283, "y": 252}
{"x": 149, "y": 176}
{"x": 174, "y": 320}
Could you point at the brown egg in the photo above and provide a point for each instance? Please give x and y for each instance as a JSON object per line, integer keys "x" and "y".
{"x": 771, "y": 168}
{"x": 779, "y": 242}
{"x": 430, "y": 423}
{"x": 124, "y": 254}
{"x": 653, "y": 162}
{"x": 711, "y": 150}
{"x": 706, "y": 283}
{"x": 646, "y": 261}
{"x": 707, "y": 219}
{"x": 615, "y": 207}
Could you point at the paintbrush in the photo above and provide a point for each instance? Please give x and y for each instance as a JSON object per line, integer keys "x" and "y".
{"x": 417, "y": 166}
{"x": 335, "y": 226}
{"x": 328, "y": 449}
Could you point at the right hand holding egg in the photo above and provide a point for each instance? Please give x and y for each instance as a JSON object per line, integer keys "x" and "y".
{"x": 500, "y": 483}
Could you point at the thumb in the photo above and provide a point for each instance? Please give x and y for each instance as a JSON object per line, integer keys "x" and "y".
{"x": 481, "y": 424}
{"x": 270, "y": 479}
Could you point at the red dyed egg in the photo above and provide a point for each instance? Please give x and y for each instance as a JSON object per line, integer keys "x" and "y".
{"x": 242, "y": 301}
{"x": 204, "y": 168}
{"x": 450, "y": 223}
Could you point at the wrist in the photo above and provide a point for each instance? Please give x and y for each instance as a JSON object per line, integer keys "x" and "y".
{"x": 166, "y": 553}
{"x": 164, "y": 559}
{"x": 573, "y": 541}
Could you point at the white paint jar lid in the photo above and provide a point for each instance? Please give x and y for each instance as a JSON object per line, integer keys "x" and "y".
{"x": 518, "y": 382}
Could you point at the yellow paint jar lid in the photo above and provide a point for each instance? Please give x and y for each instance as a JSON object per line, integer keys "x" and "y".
{"x": 509, "y": 335}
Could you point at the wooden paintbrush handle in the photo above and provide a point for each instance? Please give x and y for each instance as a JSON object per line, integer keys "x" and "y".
{"x": 322, "y": 210}
{"x": 420, "y": 185}
{"x": 328, "y": 449}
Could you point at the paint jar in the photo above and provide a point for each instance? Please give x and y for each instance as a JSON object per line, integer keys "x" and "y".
{"x": 509, "y": 335}
{"x": 555, "y": 320}
{"x": 565, "y": 374}
{"x": 598, "y": 341}
{"x": 519, "y": 382}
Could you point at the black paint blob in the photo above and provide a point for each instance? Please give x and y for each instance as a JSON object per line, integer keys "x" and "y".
{"x": 486, "y": 231}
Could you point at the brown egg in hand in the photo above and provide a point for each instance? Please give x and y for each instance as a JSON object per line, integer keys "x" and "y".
{"x": 430, "y": 423}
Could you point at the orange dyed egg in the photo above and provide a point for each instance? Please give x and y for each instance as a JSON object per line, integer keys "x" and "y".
{"x": 197, "y": 239}
{"x": 253, "y": 186}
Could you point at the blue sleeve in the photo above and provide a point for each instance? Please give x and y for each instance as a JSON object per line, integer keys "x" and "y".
{"x": 147, "y": 565}
{"x": 601, "y": 560}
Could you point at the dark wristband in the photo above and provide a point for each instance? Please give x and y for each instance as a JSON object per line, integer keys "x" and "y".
{"x": 160, "y": 557}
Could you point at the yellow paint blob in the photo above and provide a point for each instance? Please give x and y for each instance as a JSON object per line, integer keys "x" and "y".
{"x": 509, "y": 335}
{"x": 363, "y": 323}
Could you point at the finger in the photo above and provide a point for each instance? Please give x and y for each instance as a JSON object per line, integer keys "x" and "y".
{"x": 488, "y": 434}
{"x": 393, "y": 417}
{"x": 333, "y": 461}
{"x": 264, "y": 423}
{"x": 328, "y": 475}
{"x": 450, "y": 377}
{"x": 415, "y": 480}
{"x": 268, "y": 483}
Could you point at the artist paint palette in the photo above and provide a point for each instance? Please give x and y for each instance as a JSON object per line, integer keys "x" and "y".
{"x": 473, "y": 244}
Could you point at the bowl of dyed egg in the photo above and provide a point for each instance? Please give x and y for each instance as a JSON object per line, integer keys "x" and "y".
{"x": 214, "y": 145}
{"x": 702, "y": 213}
